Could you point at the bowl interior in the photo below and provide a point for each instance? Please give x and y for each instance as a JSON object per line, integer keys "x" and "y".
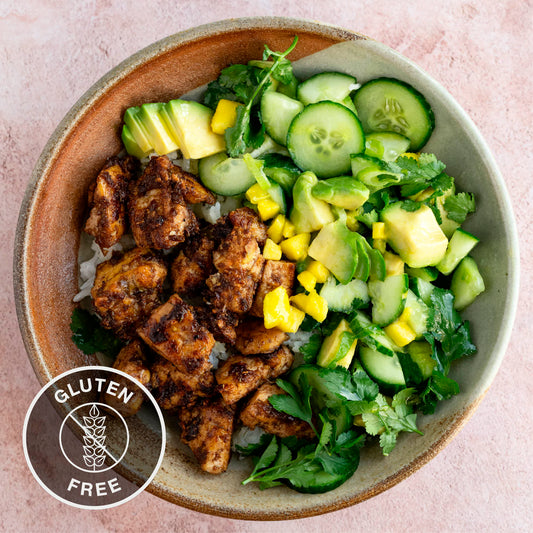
{"x": 54, "y": 209}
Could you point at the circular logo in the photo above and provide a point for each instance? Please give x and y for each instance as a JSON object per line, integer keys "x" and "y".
{"x": 94, "y": 437}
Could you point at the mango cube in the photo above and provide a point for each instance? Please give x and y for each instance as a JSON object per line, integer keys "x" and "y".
{"x": 379, "y": 245}
{"x": 312, "y": 304}
{"x": 271, "y": 250}
{"x": 307, "y": 280}
{"x": 400, "y": 332}
{"x": 318, "y": 270}
{"x": 275, "y": 230}
{"x": 276, "y": 307}
{"x": 289, "y": 229}
{"x": 296, "y": 247}
{"x": 255, "y": 194}
{"x": 225, "y": 116}
{"x": 378, "y": 230}
{"x": 267, "y": 209}
{"x": 293, "y": 323}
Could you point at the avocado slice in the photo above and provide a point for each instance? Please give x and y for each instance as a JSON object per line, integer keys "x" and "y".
{"x": 415, "y": 235}
{"x": 308, "y": 213}
{"x": 161, "y": 139}
{"x": 138, "y": 131}
{"x": 335, "y": 247}
{"x": 338, "y": 348}
{"x": 190, "y": 123}
{"x": 344, "y": 191}
{"x": 131, "y": 145}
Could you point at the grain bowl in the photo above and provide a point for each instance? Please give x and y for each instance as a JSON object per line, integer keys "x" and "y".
{"x": 53, "y": 211}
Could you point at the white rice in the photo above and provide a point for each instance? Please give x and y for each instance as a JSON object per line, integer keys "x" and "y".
{"x": 245, "y": 436}
{"x": 298, "y": 339}
{"x": 218, "y": 353}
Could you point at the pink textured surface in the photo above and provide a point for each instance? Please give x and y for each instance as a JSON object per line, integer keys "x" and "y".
{"x": 481, "y": 51}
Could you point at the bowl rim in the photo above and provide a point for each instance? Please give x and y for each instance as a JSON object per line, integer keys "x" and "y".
{"x": 106, "y": 83}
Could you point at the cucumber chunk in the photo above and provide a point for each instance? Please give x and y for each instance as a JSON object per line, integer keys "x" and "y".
{"x": 459, "y": 246}
{"x": 384, "y": 370}
{"x": 388, "y": 298}
{"x": 418, "y": 314}
{"x": 323, "y": 136}
{"x": 386, "y": 145}
{"x": 277, "y": 113}
{"x": 225, "y": 175}
{"x": 373, "y": 336}
{"x": 422, "y": 289}
{"x": 467, "y": 283}
{"x": 333, "y": 86}
{"x": 387, "y": 104}
{"x": 342, "y": 297}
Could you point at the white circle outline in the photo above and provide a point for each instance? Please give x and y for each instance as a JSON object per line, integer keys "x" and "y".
{"x": 163, "y": 437}
{"x": 117, "y": 461}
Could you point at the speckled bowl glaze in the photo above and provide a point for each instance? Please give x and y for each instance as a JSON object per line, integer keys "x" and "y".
{"x": 52, "y": 214}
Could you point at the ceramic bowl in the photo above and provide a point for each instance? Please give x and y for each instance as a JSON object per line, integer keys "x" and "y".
{"x": 52, "y": 215}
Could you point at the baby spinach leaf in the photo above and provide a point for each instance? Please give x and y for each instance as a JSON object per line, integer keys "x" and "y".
{"x": 90, "y": 337}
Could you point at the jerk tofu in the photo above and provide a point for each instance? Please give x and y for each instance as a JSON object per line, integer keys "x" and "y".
{"x": 247, "y": 220}
{"x": 127, "y": 288}
{"x": 221, "y": 323}
{"x": 192, "y": 191}
{"x": 207, "y": 428}
{"x": 159, "y": 216}
{"x": 275, "y": 274}
{"x": 173, "y": 389}
{"x": 259, "y": 412}
{"x": 253, "y": 337}
{"x": 240, "y": 375}
{"x": 174, "y": 332}
{"x": 131, "y": 360}
{"x": 107, "y": 201}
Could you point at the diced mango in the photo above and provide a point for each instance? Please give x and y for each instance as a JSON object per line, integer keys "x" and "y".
{"x": 293, "y": 323}
{"x": 225, "y": 116}
{"x": 378, "y": 230}
{"x": 267, "y": 209}
{"x": 393, "y": 264}
{"x": 307, "y": 280}
{"x": 400, "y": 332}
{"x": 255, "y": 194}
{"x": 351, "y": 219}
{"x": 289, "y": 229}
{"x": 380, "y": 245}
{"x": 312, "y": 304}
{"x": 276, "y": 307}
{"x": 275, "y": 230}
{"x": 318, "y": 270}
{"x": 271, "y": 250}
{"x": 296, "y": 247}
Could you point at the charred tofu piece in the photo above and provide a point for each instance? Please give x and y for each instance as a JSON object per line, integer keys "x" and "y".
{"x": 207, "y": 428}
{"x": 275, "y": 274}
{"x": 253, "y": 337}
{"x": 248, "y": 220}
{"x": 192, "y": 191}
{"x": 107, "y": 201}
{"x": 159, "y": 217}
{"x": 131, "y": 360}
{"x": 240, "y": 374}
{"x": 220, "y": 323}
{"x": 127, "y": 288}
{"x": 173, "y": 389}
{"x": 259, "y": 412}
{"x": 193, "y": 265}
{"x": 174, "y": 332}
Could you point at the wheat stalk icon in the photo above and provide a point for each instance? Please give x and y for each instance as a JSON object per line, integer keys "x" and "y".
{"x": 94, "y": 439}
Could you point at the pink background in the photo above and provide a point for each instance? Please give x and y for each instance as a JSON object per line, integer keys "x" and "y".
{"x": 481, "y": 51}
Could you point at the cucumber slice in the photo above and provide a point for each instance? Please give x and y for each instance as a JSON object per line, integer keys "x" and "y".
{"x": 277, "y": 113}
{"x": 385, "y": 371}
{"x": 342, "y": 297}
{"x": 420, "y": 353}
{"x": 386, "y": 145}
{"x": 418, "y": 313}
{"x": 426, "y": 273}
{"x": 467, "y": 283}
{"x": 225, "y": 175}
{"x": 360, "y": 162}
{"x": 373, "y": 336}
{"x": 322, "y": 397}
{"x": 323, "y": 136}
{"x": 422, "y": 289}
{"x": 333, "y": 86}
{"x": 459, "y": 246}
{"x": 387, "y": 104}
{"x": 388, "y": 298}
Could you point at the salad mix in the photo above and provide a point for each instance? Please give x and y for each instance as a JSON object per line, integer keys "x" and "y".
{"x": 372, "y": 224}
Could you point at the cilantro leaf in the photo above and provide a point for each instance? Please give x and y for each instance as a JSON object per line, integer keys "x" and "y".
{"x": 439, "y": 387}
{"x": 459, "y": 205}
{"x": 90, "y": 337}
{"x": 311, "y": 349}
